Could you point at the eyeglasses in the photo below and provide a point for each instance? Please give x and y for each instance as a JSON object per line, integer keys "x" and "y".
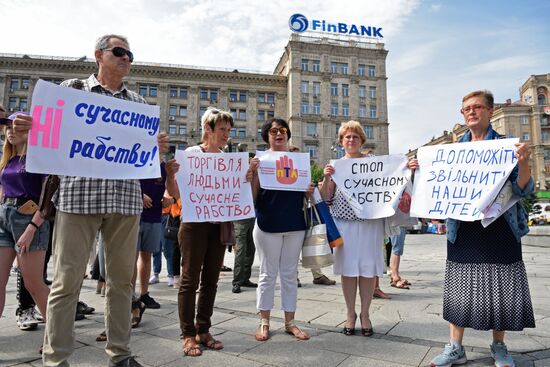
{"x": 120, "y": 51}
{"x": 275, "y": 130}
{"x": 351, "y": 137}
{"x": 475, "y": 107}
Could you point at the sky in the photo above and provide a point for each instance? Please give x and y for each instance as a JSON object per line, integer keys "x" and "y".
{"x": 438, "y": 50}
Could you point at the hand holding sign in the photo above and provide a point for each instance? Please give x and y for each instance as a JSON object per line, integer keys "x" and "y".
{"x": 286, "y": 173}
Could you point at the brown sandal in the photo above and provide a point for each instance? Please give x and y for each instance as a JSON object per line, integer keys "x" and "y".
{"x": 209, "y": 342}
{"x": 260, "y": 335}
{"x": 292, "y": 329}
{"x": 191, "y": 348}
{"x": 136, "y": 320}
{"x": 101, "y": 337}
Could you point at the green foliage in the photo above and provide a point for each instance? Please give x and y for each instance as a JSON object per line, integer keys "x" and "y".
{"x": 528, "y": 202}
{"x": 316, "y": 173}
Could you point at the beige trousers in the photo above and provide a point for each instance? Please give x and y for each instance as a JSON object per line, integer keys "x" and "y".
{"x": 74, "y": 236}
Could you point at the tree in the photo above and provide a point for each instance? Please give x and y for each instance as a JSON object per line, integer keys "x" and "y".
{"x": 316, "y": 173}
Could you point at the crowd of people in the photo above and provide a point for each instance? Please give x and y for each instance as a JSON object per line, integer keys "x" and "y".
{"x": 128, "y": 219}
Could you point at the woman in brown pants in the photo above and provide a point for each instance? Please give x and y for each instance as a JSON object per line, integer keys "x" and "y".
{"x": 200, "y": 248}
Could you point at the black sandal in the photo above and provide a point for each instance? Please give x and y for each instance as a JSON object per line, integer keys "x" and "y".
{"x": 350, "y": 330}
{"x": 137, "y": 319}
{"x": 101, "y": 337}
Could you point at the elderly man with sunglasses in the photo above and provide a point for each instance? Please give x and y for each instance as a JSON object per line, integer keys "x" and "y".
{"x": 84, "y": 206}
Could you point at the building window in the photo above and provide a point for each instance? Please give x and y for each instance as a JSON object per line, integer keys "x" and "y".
{"x": 317, "y": 108}
{"x": 345, "y": 109}
{"x": 305, "y": 64}
{"x": 333, "y": 89}
{"x": 152, "y": 91}
{"x": 541, "y": 99}
{"x": 271, "y": 98}
{"x": 233, "y": 96}
{"x": 143, "y": 90}
{"x": 525, "y": 137}
{"x": 172, "y": 110}
{"x": 25, "y": 83}
{"x": 362, "y": 110}
{"x": 242, "y": 132}
{"x": 182, "y": 146}
{"x": 182, "y": 130}
{"x": 369, "y": 132}
{"x": 373, "y": 111}
{"x": 242, "y": 114}
{"x": 524, "y": 119}
{"x": 183, "y": 93}
{"x": 23, "y": 104}
{"x": 261, "y": 115}
{"x": 372, "y": 71}
{"x": 237, "y": 95}
{"x": 361, "y": 70}
{"x": 233, "y": 132}
{"x": 544, "y": 120}
{"x": 242, "y": 96}
{"x": 261, "y": 98}
{"x": 172, "y": 129}
{"x": 544, "y": 137}
{"x": 202, "y": 110}
{"x": 203, "y": 94}
{"x": 213, "y": 95}
{"x": 305, "y": 87}
{"x": 173, "y": 92}
{"x": 312, "y": 150}
{"x": 12, "y": 105}
{"x": 334, "y": 109}
{"x": 362, "y": 91}
{"x": 333, "y": 67}
{"x": 345, "y": 90}
{"x": 270, "y": 114}
{"x": 183, "y": 111}
{"x": 14, "y": 85}
{"x": 266, "y": 98}
{"x": 372, "y": 92}
{"x": 305, "y": 107}
{"x": 316, "y": 89}
{"x": 344, "y": 68}
{"x": 316, "y": 65}
{"x": 311, "y": 129}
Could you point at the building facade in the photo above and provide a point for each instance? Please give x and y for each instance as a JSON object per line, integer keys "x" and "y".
{"x": 526, "y": 119}
{"x": 317, "y": 84}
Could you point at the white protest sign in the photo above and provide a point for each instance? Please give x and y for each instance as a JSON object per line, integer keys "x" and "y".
{"x": 373, "y": 185}
{"x": 213, "y": 186}
{"x": 284, "y": 170}
{"x": 77, "y": 133}
{"x": 462, "y": 180}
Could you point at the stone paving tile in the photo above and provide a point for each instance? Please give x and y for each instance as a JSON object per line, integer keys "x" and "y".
{"x": 354, "y": 361}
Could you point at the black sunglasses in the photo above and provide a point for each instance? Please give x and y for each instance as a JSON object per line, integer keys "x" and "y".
{"x": 5, "y": 121}
{"x": 120, "y": 51}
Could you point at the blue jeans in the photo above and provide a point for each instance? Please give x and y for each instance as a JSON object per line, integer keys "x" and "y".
{"x": 166, "y": 248}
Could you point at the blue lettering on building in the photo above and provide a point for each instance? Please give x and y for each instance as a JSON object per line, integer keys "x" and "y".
{"x": 299, "y": 23}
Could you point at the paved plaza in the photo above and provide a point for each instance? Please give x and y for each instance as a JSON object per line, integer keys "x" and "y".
{"x": 409, "y": 329}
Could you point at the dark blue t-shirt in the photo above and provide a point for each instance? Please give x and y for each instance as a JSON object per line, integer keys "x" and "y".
{"x": 280, "y": 211}
{"x": 154, "y": 188}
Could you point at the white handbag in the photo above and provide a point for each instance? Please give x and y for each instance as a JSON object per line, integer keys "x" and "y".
{"x": 316, "y": 252}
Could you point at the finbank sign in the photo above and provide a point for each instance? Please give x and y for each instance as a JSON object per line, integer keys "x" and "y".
{"x": 299, "y": 23}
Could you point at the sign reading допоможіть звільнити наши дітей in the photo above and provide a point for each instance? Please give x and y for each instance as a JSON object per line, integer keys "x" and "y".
{"x": 299, "y": 23}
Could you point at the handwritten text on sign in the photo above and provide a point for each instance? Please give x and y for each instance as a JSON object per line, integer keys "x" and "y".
{"x": 213, "y": 186}
{"x": 373, "y": 185}
{"x": 460, "y": 181}
{"x": 284, "y": 170}
{"x": 77, "y": 133}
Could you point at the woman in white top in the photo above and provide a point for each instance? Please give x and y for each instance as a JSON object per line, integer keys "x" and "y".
{"x": 361, "y": 259}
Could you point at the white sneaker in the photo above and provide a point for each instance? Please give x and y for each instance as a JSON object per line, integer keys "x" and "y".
{"x": 37, "y": 315}
{"x": 154, "y": 279}
{"x": 26, "y": 320}
{"x": 170, "y": 281}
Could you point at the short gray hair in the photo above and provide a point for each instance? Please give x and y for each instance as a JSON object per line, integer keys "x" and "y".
{"x": 103, "y": 41}
{"x": 211, "y": 116}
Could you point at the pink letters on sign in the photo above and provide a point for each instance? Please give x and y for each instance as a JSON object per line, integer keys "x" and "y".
{"x": 50, "y": 128}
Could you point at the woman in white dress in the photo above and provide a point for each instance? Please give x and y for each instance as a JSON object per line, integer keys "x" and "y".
{"x": 360, "y": 260}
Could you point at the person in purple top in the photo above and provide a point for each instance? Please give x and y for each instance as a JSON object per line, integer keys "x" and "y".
{"x": 150, "y": 232}
{"x": 23, "y": 232}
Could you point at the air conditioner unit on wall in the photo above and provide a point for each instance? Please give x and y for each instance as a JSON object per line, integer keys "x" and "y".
{"x": 171, "y": 118}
